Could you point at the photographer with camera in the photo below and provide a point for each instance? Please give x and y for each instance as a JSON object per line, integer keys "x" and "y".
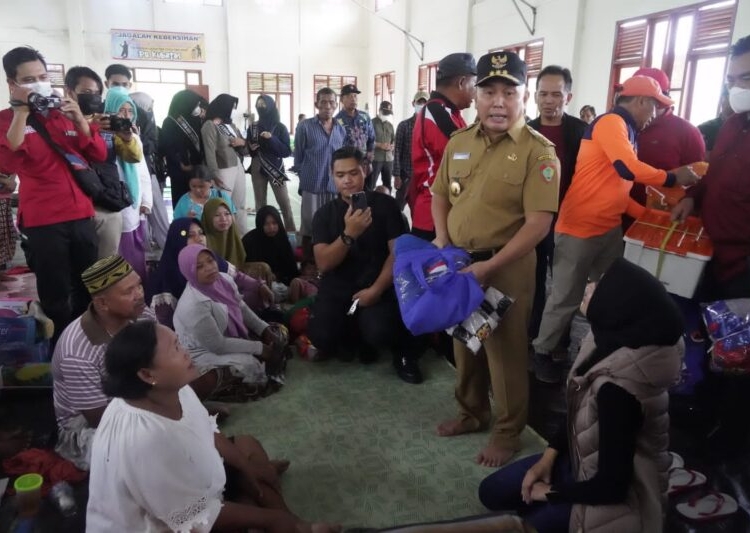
{"x": 85, "y": 87}
{"x": 43, "y": 139}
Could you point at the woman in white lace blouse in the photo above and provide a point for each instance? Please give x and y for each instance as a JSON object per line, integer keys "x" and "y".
{"x": 159, "y": 462}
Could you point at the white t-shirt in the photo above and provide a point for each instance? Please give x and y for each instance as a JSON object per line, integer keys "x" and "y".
{"x": 153, "y": 474}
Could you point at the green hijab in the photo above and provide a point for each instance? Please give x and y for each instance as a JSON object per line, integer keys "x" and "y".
{"x": 227, "y": 244}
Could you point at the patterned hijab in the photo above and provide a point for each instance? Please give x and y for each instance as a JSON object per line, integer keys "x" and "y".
{"x": 220, "y": 291}
{"x": 168, "y": 278}
{"x": 227, "y": 244}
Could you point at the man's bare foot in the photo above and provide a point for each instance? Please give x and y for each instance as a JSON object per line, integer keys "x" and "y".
{"x": 453, "y": 427}
{"x": 495, "y": 456}
{"x": 281, "y": 465}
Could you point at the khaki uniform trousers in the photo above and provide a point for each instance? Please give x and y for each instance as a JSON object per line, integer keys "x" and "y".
{"x": 502, "y": 363}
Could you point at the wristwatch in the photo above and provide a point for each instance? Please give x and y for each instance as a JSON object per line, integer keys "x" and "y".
{"x": 348, "y": 241}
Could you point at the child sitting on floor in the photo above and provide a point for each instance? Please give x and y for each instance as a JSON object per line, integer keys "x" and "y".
{"x": 202, "y": 189}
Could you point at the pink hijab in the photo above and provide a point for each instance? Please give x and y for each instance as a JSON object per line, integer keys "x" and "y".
{"x": 220, "y": 291}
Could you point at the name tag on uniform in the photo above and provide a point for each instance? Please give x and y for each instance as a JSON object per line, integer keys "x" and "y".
{"x": 461, "y": 155}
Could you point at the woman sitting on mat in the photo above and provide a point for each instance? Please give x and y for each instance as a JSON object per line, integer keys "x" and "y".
{"x": 269, "y": 243}
{"x": 159, "y": 462}
{"x": 615, "y": 477}
{"x": 167, "y": 282}
{"x": 214, "y": 324}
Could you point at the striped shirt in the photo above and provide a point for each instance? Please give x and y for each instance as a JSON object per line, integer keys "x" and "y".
{"x": 78, "y": 366}
{"x": 313, "y": 148}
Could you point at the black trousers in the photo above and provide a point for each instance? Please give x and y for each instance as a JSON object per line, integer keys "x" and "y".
{"x": 59, "y": 253}
{"x": 545, "y": 253}
{"x": 378, "y": 326}
{"x": 383, "y": 169}
{"x": 401, "y": 193}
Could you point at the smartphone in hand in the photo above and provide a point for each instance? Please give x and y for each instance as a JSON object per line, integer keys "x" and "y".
{"x": 359, "y": 201}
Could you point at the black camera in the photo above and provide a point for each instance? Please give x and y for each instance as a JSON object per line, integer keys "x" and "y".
{"x": 119, "y": 124}
{"x": 39, "y": 103}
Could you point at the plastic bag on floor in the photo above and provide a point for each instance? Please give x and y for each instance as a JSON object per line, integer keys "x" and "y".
{"x": 481, "y": 323}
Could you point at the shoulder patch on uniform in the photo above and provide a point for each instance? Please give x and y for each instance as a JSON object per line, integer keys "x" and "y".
{"x": 546, "y": 157}
{"x": 539, "y": 137}
{"x": 466, "y": 128}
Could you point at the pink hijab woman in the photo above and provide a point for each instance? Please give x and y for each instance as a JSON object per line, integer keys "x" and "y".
{"x": 199, "y": 266}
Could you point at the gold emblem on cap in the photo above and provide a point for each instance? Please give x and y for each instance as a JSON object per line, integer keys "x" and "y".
{"x": 499, "y": 61}
{"x": 455, "y": 187}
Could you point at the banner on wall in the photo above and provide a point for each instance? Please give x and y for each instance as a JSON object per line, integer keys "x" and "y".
{"x": 158, "y": 46}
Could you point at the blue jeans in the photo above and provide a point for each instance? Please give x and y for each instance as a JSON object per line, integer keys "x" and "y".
{"x": 501, "y": 491}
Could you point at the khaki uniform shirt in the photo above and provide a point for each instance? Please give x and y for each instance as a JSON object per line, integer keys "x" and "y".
{"x": 491, "y": 186}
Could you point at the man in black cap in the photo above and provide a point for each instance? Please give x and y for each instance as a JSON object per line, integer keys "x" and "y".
{"x": 456, "y": 74}
{"x": 494, "y": 195}
{"x": 358, "y": 126}
{"x": 385, "y": 136}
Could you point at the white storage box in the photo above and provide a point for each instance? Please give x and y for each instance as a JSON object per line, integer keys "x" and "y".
{"x": 675, "y": 254}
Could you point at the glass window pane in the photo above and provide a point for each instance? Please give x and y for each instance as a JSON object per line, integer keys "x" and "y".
{"x": 627, "y": 72}
{"x": 706, "y": 94}
{"x": 147, "y": 75}
{"x": 660, "y": 43}
{"x": 162, "y": 94}
{"x": 193, "y": 78}
{"x": 677, "y": 97}
{"x": 531, "y": 109}
{"x": 682, "y": 45}
{"x": 173, "y": 76}
{"x": 284, "y": 104}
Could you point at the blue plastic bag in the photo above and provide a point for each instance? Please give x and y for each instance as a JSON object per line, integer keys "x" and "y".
{"x": 432, "y": 292}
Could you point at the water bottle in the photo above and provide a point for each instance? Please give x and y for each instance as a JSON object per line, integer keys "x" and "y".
{"x": 63, "y": 498}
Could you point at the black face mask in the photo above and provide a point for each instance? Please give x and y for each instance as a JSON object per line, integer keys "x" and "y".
{"x": 90, "y": 103}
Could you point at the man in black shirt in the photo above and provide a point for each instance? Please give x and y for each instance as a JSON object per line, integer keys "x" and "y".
{"x": 354, "y": 251}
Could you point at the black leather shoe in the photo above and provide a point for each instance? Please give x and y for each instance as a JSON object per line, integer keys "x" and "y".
{"x": 408, "y": 370}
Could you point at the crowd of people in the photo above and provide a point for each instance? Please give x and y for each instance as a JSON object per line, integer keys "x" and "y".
{"x": 141, "y": 350}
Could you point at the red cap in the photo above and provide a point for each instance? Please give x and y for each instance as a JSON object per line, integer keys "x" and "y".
{"x": 656, "y": 74}
{"x": 645, "y": 86}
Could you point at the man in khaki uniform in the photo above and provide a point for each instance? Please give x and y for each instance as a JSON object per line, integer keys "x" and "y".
{"x": 495, "y": 195}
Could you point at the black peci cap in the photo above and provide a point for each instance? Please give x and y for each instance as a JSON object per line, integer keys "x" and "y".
{"x": 506, "y": 66}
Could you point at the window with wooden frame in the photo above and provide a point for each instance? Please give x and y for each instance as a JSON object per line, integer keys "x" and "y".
{"x": 332, "y": 82}
{"x": 689, "y": 44}
{"x": 163, "y": 83}
{"x": 427, "y": 77}
{"x": 278, "y": 86}
{"x": 385, "y": 86}
{"x": 531, "y": 52}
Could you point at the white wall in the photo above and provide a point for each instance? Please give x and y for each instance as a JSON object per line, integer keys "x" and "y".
{"x": 332, "y": 38}
{"x": 578, "y": 34}
{"x": 307, "y": 37}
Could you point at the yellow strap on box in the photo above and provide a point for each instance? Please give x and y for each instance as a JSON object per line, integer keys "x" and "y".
{"x": 663, "y": 246}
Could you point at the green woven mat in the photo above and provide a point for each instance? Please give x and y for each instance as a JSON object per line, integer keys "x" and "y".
{"x": 363, "y": 446}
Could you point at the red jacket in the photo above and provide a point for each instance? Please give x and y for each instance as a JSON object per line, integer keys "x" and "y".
{"x": 48, "y": 193}
{"x": 723, "y": 198}
{"x": 434, "y": 126}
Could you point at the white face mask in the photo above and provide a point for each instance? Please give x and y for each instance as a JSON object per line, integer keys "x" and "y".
{"x": 385, "y": 117}
{"x": 418, "y": 107}
{"x": 40, "y": 87}
{"x": 197, "y": 111}
{"x": 739, "y": 99}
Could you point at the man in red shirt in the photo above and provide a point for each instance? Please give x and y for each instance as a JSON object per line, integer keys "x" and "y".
{"x": 668, "y": 142}
{"x": 54, "y": 213}
{"x": 722, "y": 198}
{"x": 456, "y": 74}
